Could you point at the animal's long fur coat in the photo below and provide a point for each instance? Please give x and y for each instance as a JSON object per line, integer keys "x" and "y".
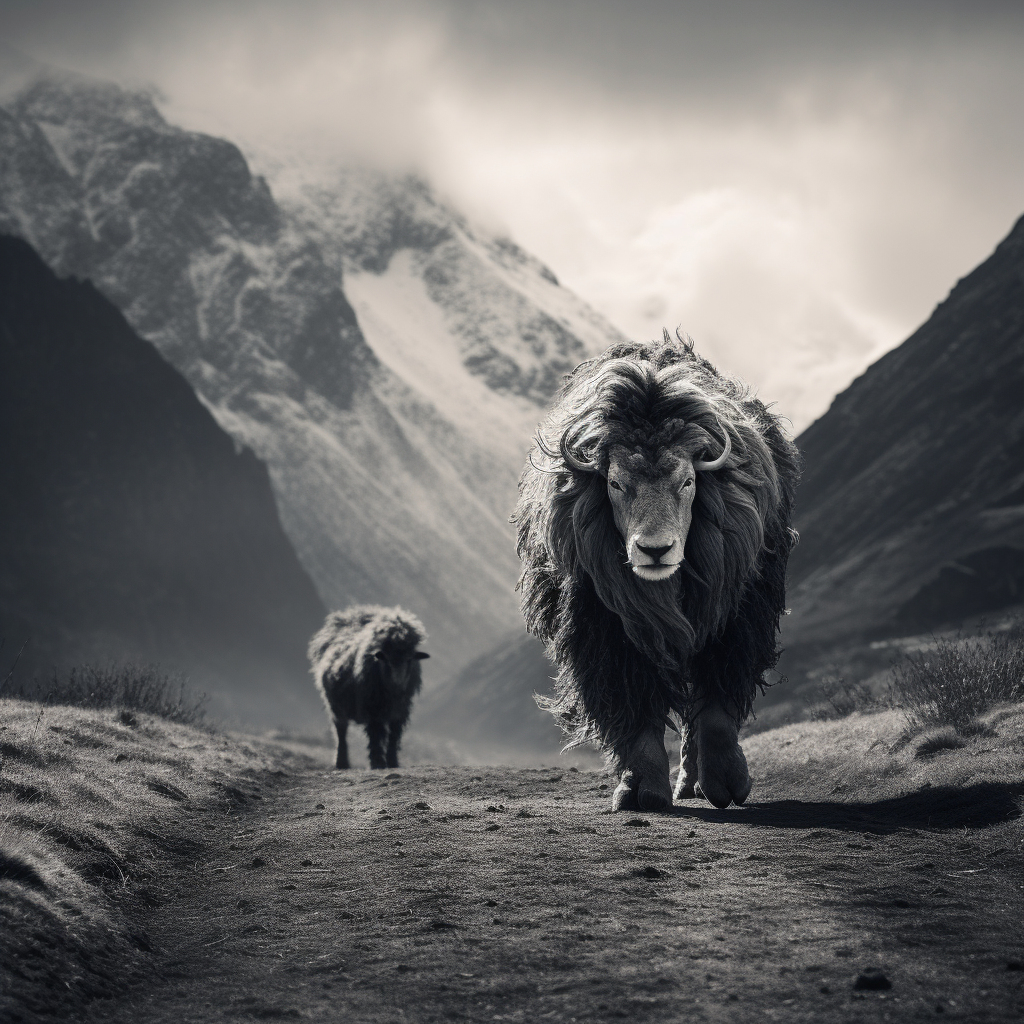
{"x": 629, "y": 651}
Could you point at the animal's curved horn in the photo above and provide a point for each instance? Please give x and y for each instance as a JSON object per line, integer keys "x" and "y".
{"x": 707, "y": 467}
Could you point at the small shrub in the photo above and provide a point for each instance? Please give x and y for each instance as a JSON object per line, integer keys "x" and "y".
{"x": 836, "y": 698}
{"x": 945, "y": 737}
{"x": 129, "y": 688}
{"x": 959, "y": 680}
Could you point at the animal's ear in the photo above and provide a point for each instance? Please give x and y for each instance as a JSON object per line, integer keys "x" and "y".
{"x": 380, "y": 655}
{"x": 420, "y": 655}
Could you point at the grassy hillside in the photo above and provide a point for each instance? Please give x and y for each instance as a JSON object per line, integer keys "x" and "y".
{"x": 95, "y": 806}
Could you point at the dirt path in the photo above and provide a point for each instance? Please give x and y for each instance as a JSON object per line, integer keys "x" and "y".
{"x": 436, "y": 894}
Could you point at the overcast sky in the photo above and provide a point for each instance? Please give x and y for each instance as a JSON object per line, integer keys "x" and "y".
{"x": 796, "y": 184}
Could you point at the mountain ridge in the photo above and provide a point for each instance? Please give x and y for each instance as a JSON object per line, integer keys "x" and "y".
{"x": 906, "y": 472}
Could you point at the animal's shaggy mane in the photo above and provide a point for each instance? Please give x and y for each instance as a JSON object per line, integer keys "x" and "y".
{"x": 578, "y": 591}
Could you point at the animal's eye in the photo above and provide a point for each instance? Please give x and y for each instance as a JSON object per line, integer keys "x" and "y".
{"x": 615, "y": 485}
{"x": 687, "y": 483}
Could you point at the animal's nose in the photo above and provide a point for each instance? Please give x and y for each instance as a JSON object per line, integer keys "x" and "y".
{"x": 655, "y": 553}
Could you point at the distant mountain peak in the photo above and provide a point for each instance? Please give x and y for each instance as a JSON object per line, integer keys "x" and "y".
{"x": 517, "y": 329}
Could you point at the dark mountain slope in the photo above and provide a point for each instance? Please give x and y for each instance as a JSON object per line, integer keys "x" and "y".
{"x": 911, "y": 510}
{"x": 936, "y": 422}
{"x": 130, "y": 523}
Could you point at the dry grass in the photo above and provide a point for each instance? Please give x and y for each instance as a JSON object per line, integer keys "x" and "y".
{"x": 940, "y": 690}
{"x": 127, "y": 687}
{"x": 94, "y": 804}
{"x": 959, "y": 679}
{"x": 868, "y": 758}
{"x": 836, "y": 698}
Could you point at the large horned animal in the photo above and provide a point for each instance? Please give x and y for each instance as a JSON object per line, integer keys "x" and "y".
{"x": 367, "y": 668}
{"x": 654, "y": 527}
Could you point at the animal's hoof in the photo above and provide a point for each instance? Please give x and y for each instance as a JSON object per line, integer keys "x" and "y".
{"x": 644, "y": 784}
{"x": 638, "y": 794}
{"x": 624, "y": 798}
{"x": 724, "y": 778}
{"x": 722, "y": 775}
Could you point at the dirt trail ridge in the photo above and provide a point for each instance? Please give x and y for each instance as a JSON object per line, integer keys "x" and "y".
{"x": 501, "y": 894}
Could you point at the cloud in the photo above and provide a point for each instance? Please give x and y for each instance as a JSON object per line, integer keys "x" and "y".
{"x": 797, "y": 184}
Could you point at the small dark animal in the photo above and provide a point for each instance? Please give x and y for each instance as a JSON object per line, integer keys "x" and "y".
{"x": 654, "y": 526}
{"x": 367, "y": 669}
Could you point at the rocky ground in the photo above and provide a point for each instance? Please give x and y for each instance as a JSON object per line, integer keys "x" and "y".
{"x": 859, "y": 883}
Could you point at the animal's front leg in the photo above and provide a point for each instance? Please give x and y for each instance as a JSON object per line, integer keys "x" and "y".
{"x": 686, "y": 780}
{"x": 721, "y": 767}
{"x": 394, "y": 740}
{"x": 375, "y": 734}
{"x": 644, "y": 784}
{"x": 341, "y": 727}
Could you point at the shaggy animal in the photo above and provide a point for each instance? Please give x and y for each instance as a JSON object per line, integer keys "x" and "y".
{"x": 654, "y": 528}
{"x": 367, "y": 669}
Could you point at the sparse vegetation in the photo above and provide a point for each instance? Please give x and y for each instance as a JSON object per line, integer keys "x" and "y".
{"x": 959, "y": 679}
{"x": 127, "y": 687}
{"x": 836, "y": 698}
{"x": 944, "y": 688}
{"x": 945, "y": 737}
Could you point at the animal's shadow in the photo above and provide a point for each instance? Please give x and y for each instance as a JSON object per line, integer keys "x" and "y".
{"x": 944, "y": 807}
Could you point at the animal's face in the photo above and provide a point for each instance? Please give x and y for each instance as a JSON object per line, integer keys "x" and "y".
{"x": 652, "y": 502}
{"x": 403, "y": 665}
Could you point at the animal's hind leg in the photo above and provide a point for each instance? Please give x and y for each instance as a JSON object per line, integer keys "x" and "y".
{"x": 686, "y": 780}
{"x": 394, "y": 741}
{"x": 721, "y": 767}
{"x": 341, "y": 727}
{"x": 644, "y": 784}
{"x": 375, "y": 732}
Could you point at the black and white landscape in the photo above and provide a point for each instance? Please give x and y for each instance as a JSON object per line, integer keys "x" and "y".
{"x": 910, "y": 510}
{"x": 388, "y": 362}
{"x": 275, "y": 337}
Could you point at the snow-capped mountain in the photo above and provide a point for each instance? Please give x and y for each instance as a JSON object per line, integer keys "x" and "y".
{"x": 465, "y": 319}
{"x": 387, "y": 360}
